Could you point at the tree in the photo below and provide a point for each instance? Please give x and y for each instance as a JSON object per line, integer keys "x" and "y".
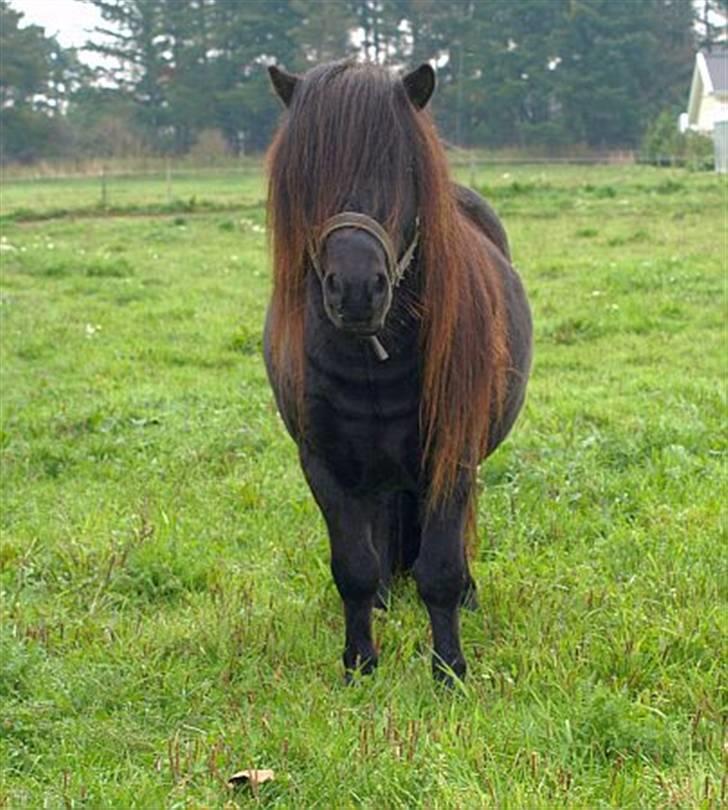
{"x": 712, "y": 22}
{"x": 247, "y": 37}
{"x": 378, "y": 22}
{"x": 511, "y": 83}
{"x": 37, "y": 77}
{"x": 134, "y": 42}
{"x": 495, "y": 75}
{"x": 323, "y": 31}
{"x": 615, "y": 66}
{"x": 190, "y": 65}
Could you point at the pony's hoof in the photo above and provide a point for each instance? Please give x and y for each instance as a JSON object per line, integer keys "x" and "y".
{"x": 448, "y": 674}
{"x": 357, "y": 666}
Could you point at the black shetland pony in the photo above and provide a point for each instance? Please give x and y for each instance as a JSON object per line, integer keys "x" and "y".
{"x": 397, "y": 342}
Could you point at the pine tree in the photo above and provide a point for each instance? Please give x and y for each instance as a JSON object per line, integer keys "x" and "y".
{"x": 323, "y": 31}
{"x": 37, "y": 77}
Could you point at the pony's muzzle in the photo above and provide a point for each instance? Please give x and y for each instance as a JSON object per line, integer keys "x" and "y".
{"x": 357, "y": 305}
{"x": 357, "y": 292}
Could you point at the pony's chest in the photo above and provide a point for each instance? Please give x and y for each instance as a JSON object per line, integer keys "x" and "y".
{"x": 363, "y": 421}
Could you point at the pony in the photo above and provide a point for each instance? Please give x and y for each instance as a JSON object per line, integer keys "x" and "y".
{"x": 397, "y": 339}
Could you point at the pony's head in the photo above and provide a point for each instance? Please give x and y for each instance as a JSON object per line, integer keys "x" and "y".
{"x": 360, "y": 199}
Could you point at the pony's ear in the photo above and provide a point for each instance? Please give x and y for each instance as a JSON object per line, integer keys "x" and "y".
{"x": 420, "y": 84}
{"x": 283, "y": 83}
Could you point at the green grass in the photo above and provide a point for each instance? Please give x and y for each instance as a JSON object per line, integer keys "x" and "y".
{"x": 168, "y": 616}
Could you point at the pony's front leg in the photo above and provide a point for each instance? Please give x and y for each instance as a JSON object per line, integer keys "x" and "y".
{"x": 354, "y": 561}
{"x": 441, "y": 574}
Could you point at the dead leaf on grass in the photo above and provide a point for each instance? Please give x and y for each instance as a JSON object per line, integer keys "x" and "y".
{"x": 253, "y": 777}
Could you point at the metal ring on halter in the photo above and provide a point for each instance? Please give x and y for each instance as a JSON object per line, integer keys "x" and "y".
{"x": 353, "y": 219}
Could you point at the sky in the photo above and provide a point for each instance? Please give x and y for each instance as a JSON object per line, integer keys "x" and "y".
{"x": 69, "y": 20}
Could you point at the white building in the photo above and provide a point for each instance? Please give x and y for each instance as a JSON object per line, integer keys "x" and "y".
{"x": 708, "y": 103}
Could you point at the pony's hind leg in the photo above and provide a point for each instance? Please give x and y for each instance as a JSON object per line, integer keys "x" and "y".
{"x": 410, "y": 531}
{"x": 354, "y": 562}
{"x": 384, "y": 531}
{"x": 396, "y": 535}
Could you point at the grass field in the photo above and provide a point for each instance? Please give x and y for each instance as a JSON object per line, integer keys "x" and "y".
{"x": 167, "y": 612}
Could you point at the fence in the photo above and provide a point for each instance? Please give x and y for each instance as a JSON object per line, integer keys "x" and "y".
{"x": 158, "y": 189}
{"x": 168, "y": 187}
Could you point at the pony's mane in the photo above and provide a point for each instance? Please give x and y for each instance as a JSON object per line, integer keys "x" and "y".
{"x": 352, "y": 126}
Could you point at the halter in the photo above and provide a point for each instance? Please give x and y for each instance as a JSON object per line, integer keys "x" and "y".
{"x": 395, "y": 268}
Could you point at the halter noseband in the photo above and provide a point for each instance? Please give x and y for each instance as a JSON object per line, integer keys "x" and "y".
{"x": 396, "y": 268}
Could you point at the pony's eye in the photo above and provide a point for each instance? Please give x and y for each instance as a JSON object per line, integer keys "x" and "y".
{"x": 380, "y": 282}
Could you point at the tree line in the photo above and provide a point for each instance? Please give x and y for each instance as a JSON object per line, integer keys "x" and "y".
{"x": 180, "y": 73}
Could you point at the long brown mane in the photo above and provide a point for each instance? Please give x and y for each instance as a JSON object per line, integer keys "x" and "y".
{"x": 352, "y": 126}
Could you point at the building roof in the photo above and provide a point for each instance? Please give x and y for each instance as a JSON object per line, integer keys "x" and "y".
{"x": 716, "y": 63}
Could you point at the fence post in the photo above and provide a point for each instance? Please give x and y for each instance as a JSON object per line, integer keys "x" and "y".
{"x": 168, "y": 176}
{"x": 104, "y": 196}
